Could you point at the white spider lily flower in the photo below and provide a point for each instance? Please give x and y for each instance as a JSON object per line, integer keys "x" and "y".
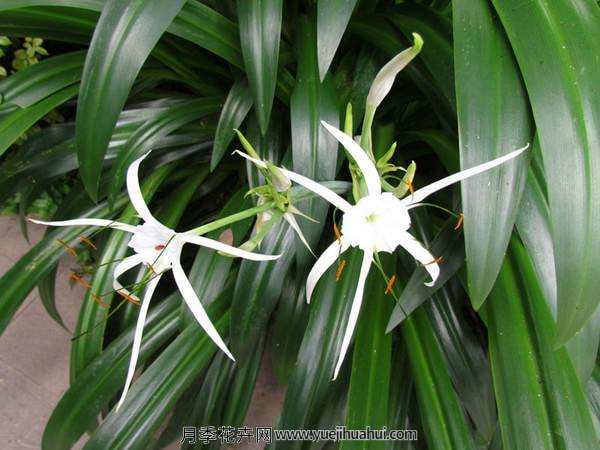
{"x": 378, "y": 222}
{"x": 159, "y": 248}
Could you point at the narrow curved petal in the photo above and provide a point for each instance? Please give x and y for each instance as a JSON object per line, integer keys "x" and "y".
{"x": 421, "y": 194}
{"x": 137, "y": 337}
{"x": 193, "y": 302}
{"x": 366, "y": 166}
{"x": 421, "y": 254}
{"x": 219, "y": 246}
{"x": 88, "y": 222}
{"x": 311, "y": 185}
{"x": 135, "y": 193}
{"x": 289, "y": 218}
{"x": 355, "y": 310}
{"x": 128, "y": 263}
{"x": 325, "y": 261}
{"x": 258, "y": 162}
{"x": 382, "y": 84}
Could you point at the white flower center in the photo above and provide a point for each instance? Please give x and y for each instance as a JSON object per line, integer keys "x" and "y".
{"x": 376, "y": 223}
{"x": 159, "y": 246}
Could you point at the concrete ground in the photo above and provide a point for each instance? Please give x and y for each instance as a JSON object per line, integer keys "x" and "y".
{"x": 34, "y": 356}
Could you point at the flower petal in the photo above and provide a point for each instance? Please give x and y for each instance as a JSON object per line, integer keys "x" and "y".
{"x": 355, "y": 310}
{"x": 289, "y": 218}
{"x": 219, "y": 246}
{"x": 135, "y": 193}
{"x": 366, "y": 166}
{"x": 385, "y": 77}
{"x": 309, "y": 184}
{"x": 421, "y": 254}
{"x": 137, "y": 337}
{"x": 325, "y": 261}
{"x": 123, "y": 267}
{"x": 258, "y": 162}
{"x": 88, "y": 222}
{"x": 191, "y": 299}
{"x": 420, "y": 194}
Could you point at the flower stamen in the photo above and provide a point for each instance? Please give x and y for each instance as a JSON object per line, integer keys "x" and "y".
{"x": 77, "y": 278}
{"x": 340, "y": 269}
{"x": 128, "y": 297}
{"x": 88, "y": 242}
{"x": 70, "y": 250}
{"x": 438, "y": 260}
{"x": 337, "y": 233}
{"x": 459, "y": 222}
{"x": 390, "y": 284}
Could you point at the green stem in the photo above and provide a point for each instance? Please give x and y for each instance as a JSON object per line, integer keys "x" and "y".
{"x": 220, "y": 223}
{"x": 365, "y": 136}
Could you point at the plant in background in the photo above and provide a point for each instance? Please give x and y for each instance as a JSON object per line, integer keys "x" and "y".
{"x": 499, "y": 352}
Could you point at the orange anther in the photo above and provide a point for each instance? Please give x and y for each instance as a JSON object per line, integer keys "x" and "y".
{"x": 340, "y": 269}
{"x": 79, "y": 279}
{"x": 98, "y": 299}
{"x": 390, "y": 284}
{"x": 337, "y": 233}
{"x": 70, "y": 250}
{"x": 128, "y": 297}
{"x": 411, "y": 188}
{"x": 88, "y": 242}
{"x": 438, "y": 260}
{"x": 459, "y": 222}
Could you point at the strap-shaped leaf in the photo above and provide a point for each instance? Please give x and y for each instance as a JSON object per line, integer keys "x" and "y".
{"x": 443, "y": 420}
{"x": 310, "y": 383}
{"x": 13, "y": 125}
{"x": 371, "y": 362}
{"x": 260, "y": 30}
{"x": 257, "y": 290}
{"x": 541, "y": 403}
{"x": 559, "y": 68}
{"x": 157, "y": 390}
{"x": 314, "y": 150}
{"x": 80, "y": 405}
{"x": 235, "y": 110}
{"x": 38, "y": 81}
{"x": 493, "y": 119}
{"x": 126, "y": 33}
{"x": 332, "y": 18}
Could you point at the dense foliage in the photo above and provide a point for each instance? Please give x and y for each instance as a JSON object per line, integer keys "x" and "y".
{"x": 501, "y": 352}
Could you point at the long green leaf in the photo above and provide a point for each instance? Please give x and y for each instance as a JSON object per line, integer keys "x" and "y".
{"x": 371, "y": 363}
{"x": 257, "y": 290}
{"x": 39, "y": 261}
{"x": 447, "y": 244}
{"x": 126, "y": 33}
{"x": 332, "y": 18}
{"x": 36, "y": 82}
{"x": 146, "y": 137}
{"x": 79, "y": 407}
{"x": 310, "y": 384}
{"x": 156, "y": 391}
{"x": 559, "y": 68}
{"x": 443, "y": 420}
{"x": 437, "y": 51}
{"x": 260, "y": 30}
{"x": 468, "y": 365}
{"x": 493, "y": 119}
{"x": 235, "y": 109}
{"x": 313, "y": 148}
{"x": 541, "y": 403}
{"x": 16, "y": 123}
